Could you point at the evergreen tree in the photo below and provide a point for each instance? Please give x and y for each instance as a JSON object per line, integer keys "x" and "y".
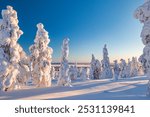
{"x": 41, "y": 57}
{"x": 106, "y": 68}
{"x": 134, "y": 67}
{"x": 83, "y": 74}
{"x": 14, "y": 68}
{"x": 129, "y": 68}
{"x": 116, "y": 70}
{"x": 123, "y": 68}
{"x": 73, "y": 72}
{"x": 97, "y": 69}
{"x": 64, "y": 79}
{"x": 143, "y": 14}
{"x": 92, "y": 67}
{"x": 52, "y": 72}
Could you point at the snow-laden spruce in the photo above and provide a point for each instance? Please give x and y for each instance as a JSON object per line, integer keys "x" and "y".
{"x": 134, "y": 67}
{"x": 79, "y": 72}
{"x": 41, "y": 57}
{"x": 84, "y": 74}
{"x": 73, "y": 71}
{"x": 64, "y": 79}
{"x": 106, "y": 68}
{"x": 128, "y": 69}
{"x": 52, "y": 72}
{"x": 14, "y": 71}
{"x": 123, "y": 69}
{"x": 143, "y": 14}
{"x": 95, "y": 68}
{"x": 92, "y": 67}
{"x": 116, "y": 70}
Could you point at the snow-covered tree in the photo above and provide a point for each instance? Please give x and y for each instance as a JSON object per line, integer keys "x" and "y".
{"x": 56, "y": 75}
{"x": 83, "y": 74}
{"x": 41, "y": 57}
{"x": 106, "y": 68}
{"x": 73, "y": 72}
{"x": 92, "y": 67}
{"x": 79, "y": 72}
{"x": 64, "y": 79}
{"x": 134, "y": 67}
{"x": 116, "y": 70}
{"x": 95, "y": 68}
{"x": 123, "y": 69}
{"x": 143, "y": 14}
{"x": 140, "y": 70}
{"x": 13, "y": 60}
{"x": 128, "y": 68}
{"x": 52, "y": 73}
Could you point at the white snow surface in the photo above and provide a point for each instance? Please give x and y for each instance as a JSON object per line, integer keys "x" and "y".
{"x": 104, "y": 89}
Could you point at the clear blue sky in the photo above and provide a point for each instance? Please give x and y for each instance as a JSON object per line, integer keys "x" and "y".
{"x": 88, "y": 23}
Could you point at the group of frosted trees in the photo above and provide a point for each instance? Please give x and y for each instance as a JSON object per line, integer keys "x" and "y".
{"x": 103, "y": 69}
{"x": 130, "y": 69}
{"x": 100, "y": 70}
{"x": 143, "y": 14}
{"x": 16, "y": 67}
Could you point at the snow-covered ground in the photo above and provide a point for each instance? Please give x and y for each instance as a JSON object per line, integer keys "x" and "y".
{"x": 105, "y": 89}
